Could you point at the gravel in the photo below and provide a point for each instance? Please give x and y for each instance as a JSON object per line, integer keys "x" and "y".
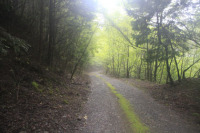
{"x": 159, "y": 118}
{"x": 102, "y": 112}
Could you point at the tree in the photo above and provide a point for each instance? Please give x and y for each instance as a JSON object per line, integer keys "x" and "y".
{"x": 54, "y": 28}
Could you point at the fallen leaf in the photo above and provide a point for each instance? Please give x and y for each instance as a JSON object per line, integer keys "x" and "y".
{"x": 85, "y": 117}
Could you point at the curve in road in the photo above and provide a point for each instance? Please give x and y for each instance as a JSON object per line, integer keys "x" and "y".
{"x": 105, "y": 115}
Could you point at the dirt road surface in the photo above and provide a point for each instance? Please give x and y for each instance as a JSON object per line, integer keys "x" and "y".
{"x": 103, "y": 113}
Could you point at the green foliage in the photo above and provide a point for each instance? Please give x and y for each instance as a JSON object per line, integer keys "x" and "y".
{"x": 196, "y": 115}
{"x": 58, "y": 30}
{"x": 51, "y": 91}
{"x": 163, "y": 44}
{"x": 154, "y": 41}
{"x": 35, "y": 84}
{"x": 65, "y": 101}
{"x": 9, "y": 42}
{"x": 57, "y": 90}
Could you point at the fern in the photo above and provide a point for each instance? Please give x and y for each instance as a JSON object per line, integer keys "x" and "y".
{"x": 9, "y": 42}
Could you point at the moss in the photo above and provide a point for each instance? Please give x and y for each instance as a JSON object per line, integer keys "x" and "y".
{"x": 136, "y": 124}
{"x": 86, "y": 88}
{"x": 57, "y": 90}
{"x": 35, "y": 84}
{"x": 65, "y": 101}
{"x": 196, "y": 115}
{"x": 51, "y": 91}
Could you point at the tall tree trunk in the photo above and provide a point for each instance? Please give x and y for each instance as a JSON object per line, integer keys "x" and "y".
{"x": 83, "y": 53}
{"x": 192, "y": 62}
{"x": 118, "y": 63}
{"x": 140, "y": 69}
{"x": 168, "y": 67}
{"x": 23, "y": 8}
{"x": 182, "y": 67}
{"x": 127, "y": 64}
{"x": 162, "y": 73}
{"x": 177, "y": 69}
{"x": 51, "y": 32}
{"x": 145, "y": 73}
{"x": 150, "y": 74}
{"x": 159, "y": 24}
{"x": 41, "y": 29}
{"x": 167, "y": 74}
{"x": 113, "y": 60}
{"x": 147, "y": 60}
{"x": 155, "y": 71}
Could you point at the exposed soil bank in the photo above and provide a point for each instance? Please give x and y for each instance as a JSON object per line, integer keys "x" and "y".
{"x": 34, "y": 99}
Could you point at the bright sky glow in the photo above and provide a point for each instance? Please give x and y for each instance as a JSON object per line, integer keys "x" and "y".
{"x": 111, "y": 5}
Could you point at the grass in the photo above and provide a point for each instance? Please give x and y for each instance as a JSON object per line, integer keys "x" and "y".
{"x": 51, "y": 91}
{"x": 36, "y": 86}
{"x": 65, "y": 101}
{"x": 57, "y": 90}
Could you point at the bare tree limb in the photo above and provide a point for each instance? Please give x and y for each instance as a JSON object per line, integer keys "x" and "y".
{"x": 118, "y": 29}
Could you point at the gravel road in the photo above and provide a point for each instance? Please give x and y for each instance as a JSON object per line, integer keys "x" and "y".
{"x": 104, "y": 114}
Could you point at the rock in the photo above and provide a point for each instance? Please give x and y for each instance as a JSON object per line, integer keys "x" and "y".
{"x": 79, "y": 118}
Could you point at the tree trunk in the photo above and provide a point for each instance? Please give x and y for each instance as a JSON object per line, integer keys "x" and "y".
{"x": 139, "y": 71}
{"x": 79, "y": 60}
{"x": 159, "y": 24}
{"x": 189, "y": 68}
{"x": 41, "y": 29}
{"x": 23, "y": 8}
{"x": 162, "y": 73}
{"x": 193, "y": 62}
{"x": 147, "y": 75}
{"x": 182, "y": 67}
{"x": 150, "y": 74}
{"x": 196, "y": 73}
{"x": 51, "y": 32}
{"x": 118, "y": 63}
{"x": 155, "y": 71}
{"x": 113, "y": 60}
{"x": 179, "y": 77}
{"x": 168, "y": 67}
{"x": 127, "y": 64}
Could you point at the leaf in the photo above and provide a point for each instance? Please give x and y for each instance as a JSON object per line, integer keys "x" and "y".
{"x": 85, "y": 117}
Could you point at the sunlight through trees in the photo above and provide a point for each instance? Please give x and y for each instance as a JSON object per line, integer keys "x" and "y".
{"x": 154, "y": 40}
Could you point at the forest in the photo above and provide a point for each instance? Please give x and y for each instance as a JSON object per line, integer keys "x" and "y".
{"x": 154, "y": 40}
{"x": 49, "y": 44}
{"x": 150, "y": 40}
{"x": 55, "y": 32}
